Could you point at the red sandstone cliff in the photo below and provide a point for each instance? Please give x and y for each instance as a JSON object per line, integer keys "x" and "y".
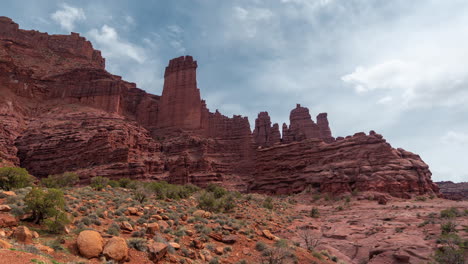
{"x": 454, "y": 191}
{"x": 60, "y": 111}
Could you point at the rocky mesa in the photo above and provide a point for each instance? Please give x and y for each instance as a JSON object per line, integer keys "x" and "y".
{"x": 60, "y": 110}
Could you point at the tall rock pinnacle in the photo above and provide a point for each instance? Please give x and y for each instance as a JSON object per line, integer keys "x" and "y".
{"x": 181, "y": 105}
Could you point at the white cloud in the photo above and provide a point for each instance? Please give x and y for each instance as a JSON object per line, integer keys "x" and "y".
{"x": 107, "y": 39}
{"x": 175, "y": 35}
{"x": 457, "y": 138}
{"x": 415, "y": 84}
{"x": 248, "y": 21}
{"x": 68, "y": 16}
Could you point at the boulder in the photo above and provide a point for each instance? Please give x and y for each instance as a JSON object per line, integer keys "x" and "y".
{"x": 132, "y": 210}
{"x": 23, "y": 235}
{"x": 269, "y": 235}
{"x": 126, "y": 226}
{"x": 116, "y": 249}
{"x": 156, "y": 251}
{"x": 175, "y": 245}
{"x": 5, "y": 245}
{"x": 90, "y": 243}
{"x": 163, "y": 224}
{"x": 7, "y": 220}
{"x": 229, "y": 239}
{"x": 152, "y": 228}
{"x": 5, "y": 208}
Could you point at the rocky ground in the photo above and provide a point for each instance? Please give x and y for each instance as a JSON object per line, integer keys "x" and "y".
{"x": 111, "y": 225}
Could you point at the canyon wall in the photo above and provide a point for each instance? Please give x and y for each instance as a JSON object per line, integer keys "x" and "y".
{"x": 60, "y": 111}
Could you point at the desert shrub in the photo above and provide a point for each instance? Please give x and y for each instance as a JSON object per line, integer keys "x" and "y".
{"x": 310, "y": 239}
{"x": 314, "y": 212}
{"x": 12, "y": 178}
{"x": 452, "y": 251}
{"x": 268, "y": 203}
{"x": 420, "y": 198}
{"x": 57, "y": 181}
{"x": 217, "y": 191}
{"x": 451, "y": 212}
{"x": 99, "y": 182}
{"x": 140, "y": 194}
{"x": 57, "y": 223}
{"x": 138, "y": 244}
{"x": 260, "y": 246}
{"x": 55, "y": 244}
{"x": 123, "y": 182}
{"x": 114, "y": 183}
{"x": 164, "y": 190}
{"x": 113, "y": 229}
{"x": 448, "y": 227}
{"x": 44, "y": 203}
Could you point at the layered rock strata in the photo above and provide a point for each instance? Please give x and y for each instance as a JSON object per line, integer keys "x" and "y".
{"x": 454, "y": 191}
{"x": 60, "y": 111}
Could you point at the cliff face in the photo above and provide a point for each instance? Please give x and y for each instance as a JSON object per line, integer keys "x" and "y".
{"x": 454, "y": 191}
{"x": 358, "y": 163}
{"x": 60, "y": 111}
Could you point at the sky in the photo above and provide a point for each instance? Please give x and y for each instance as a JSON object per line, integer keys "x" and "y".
{"x": 397, "y": 67}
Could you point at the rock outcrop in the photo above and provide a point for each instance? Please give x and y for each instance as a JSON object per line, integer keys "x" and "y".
{"x": 60, "y": 111}
{"x": 454, "y": 191}
{"x": 358, "y": 163}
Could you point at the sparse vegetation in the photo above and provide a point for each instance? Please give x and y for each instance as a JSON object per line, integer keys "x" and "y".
{"x": 99, "y": 183}
{"x": 57, "y": 181}
{"x": 450, "y": 213}
{"x": 13, "y": 178}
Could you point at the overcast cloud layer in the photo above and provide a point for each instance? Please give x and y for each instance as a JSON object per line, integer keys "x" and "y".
{"x": 397, "y": 67}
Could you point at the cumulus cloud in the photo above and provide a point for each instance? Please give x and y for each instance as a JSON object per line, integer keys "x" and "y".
{"x": 68, "y": 15}
{"x": 112, "y": 46}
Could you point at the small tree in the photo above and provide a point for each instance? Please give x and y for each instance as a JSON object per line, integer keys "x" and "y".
{"x": 310, "y": 240}
{"x": 44, "y": 203}
{"x": 99, "y": 182}
{"x": 12, "y": 177}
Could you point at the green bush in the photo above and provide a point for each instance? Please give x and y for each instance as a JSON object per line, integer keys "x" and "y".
{"x": 217, "y": 191}
{"x": 12, "y": 178}
{"x": 314, "y": 213}
{"x": 451, "y": 212}
{"x": 114, "y": 184}
{"x": 99, "y": 182}
{"x": 124, "y": 182}
{"x": 164, "y": 190}
{"x": 57, "y": 223}
{"x": 452, "y": 251}
{"x": 47, "y": 205}
{"x": 448, "y": 227}
{"x": 66, "y": 179}
{"x": 268, "y": 203}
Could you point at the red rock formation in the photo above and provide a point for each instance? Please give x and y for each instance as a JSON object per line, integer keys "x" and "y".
{"x": 264, "y": 134}
{"x": 181, "y": 105}
{"x": 60, "y": 111}
{"x": 303, "y": 127}
{"x": 361, "y": 162}
{"x": 324, "y": 128}
{"x": 454, "y": 191}
{"x": 90, "y": 141}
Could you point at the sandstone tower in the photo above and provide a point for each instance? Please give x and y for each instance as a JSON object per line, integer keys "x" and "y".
{"x": 181, "y": 105}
